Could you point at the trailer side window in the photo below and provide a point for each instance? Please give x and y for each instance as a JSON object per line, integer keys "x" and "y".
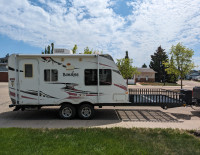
{"x": 90, "y": 77}
{"x": 51, "y": 75}
{"x": 47, "y": 75}
{"x": 54, "y": 75}
{"x": 104, "y": 77}
{"x": 28, "y": 70}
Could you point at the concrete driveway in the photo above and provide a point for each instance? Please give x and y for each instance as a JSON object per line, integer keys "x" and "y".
{"x": 147, "y": 117}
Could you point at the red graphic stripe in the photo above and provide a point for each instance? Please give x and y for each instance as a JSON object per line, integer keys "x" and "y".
{"x": 73, "y": 97}
{"x": 105, "y": 65}
{"x": 121, "y": 86}
{"x": 12, "y": 94}
{"x": 91, "y": 94}
{"x": 74, "y": 94}
{"x": 29, "y": 98}
{"x": 102, "y": 64}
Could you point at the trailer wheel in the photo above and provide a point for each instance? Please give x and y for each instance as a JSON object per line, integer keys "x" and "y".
{"x": 67, "y": 111}
{"x": 86, "y": 111}
{"x": 165, "y": 107}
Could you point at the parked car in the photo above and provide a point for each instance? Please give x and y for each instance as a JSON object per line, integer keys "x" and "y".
{"x": 192, "y": 76}
{"x": 197, "y": 78}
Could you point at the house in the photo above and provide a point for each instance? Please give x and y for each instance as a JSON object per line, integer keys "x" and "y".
{"x": 3, "y": 72}
{"x": 145, "y": 75}
{"x": 3, "y": 69}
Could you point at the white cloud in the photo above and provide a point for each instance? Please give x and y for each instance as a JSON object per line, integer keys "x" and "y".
{"x": 93, "y": 23}
{"x": 196, "y": 61}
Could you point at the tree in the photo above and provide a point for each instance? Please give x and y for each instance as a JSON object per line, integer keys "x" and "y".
{"x": 157, "y": 64}
{"x": 97, "y": 52}
{"x": 48, "y": 49}
{"x": 52, "y": 48}
{"x": 126, "y": 57}
{"x": 181, "y": 63}
{"x": 144, "y": 66}
{"x": 125, "y": 67}
{"x": 74, "y": 49}
{"x": 45, "y": 51}
{"x": 172, "y": 78}
{"x": 87, "y": 51}
{"x": 7, "y": 55}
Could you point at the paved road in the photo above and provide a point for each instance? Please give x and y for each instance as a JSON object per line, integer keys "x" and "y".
{"x": 190, "y": 83}
{"x": 149, "y": 117}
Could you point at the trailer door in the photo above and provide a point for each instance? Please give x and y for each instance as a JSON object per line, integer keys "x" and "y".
{"x": 28, "y": 82}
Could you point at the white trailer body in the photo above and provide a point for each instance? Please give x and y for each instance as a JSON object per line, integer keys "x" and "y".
{"x": 57, "y": 79}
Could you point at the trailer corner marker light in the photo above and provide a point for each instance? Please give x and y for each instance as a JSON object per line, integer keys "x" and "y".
{"x": 68, "y": 64}
{"x": 126, "y": 92}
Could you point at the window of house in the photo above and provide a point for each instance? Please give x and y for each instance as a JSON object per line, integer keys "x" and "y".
{"x": 147, "y": 78}
{"x": 104, "y": 77}
{"x": 50, "y": 75}
{"x": 28, "y": 70}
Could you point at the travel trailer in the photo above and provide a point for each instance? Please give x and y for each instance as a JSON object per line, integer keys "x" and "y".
{"x": 75, "y": 82}
{"x": 79, "y": 82}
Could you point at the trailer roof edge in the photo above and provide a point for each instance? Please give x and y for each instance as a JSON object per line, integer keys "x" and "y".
{"x": 47, "y": 55}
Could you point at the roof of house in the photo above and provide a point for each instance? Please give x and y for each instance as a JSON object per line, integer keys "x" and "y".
{"x": 145, "y": 70}
{"x": 4, "y": 60}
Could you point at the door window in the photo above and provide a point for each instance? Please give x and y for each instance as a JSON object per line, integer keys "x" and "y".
{"x": 28, "y": 70}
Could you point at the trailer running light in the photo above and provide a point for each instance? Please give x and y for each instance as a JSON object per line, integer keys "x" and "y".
{"x": 184, "y": 105}
{"x": 126, "y": 92}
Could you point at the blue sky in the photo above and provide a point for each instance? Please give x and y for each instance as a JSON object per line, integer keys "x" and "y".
{"x": 111, "y": 26}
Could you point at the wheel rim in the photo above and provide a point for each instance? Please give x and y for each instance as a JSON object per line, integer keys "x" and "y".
{"x": 67, "y": 112}
{"x": 86, "y": 112}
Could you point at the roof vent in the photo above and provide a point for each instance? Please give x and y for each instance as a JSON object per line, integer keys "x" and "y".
{"x": 62, "y": 51}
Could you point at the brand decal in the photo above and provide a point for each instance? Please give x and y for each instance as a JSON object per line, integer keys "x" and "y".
{"x": 12, "y": 81}
{"x": 69, "y": 66}
{"x": 71, "y": 74}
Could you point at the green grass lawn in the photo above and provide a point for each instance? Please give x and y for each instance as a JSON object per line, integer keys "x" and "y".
{"x": 159, "y": 84}
{"x": 97, "y": 141}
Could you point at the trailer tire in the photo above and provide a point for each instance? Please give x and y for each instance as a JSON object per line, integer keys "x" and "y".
{"x": 86, "y": 111}
{"x": 67, "y": 111}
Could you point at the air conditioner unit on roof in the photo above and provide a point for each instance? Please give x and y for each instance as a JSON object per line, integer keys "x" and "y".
{"x": 62, "y": 51}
